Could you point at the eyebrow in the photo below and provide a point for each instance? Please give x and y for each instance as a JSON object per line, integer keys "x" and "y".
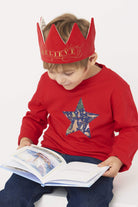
{"x": 66, "y": 71}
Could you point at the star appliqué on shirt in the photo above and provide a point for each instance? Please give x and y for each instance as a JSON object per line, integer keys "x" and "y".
{"x": 80, "y": 119}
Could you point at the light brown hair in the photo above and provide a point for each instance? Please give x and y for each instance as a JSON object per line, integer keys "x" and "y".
{"x": 64, "y": 24}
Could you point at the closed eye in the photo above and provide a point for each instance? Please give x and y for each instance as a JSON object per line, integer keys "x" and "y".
{"x": 68, "y": 74}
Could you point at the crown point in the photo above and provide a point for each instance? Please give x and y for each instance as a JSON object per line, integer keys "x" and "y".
{"x": 54, "y": 38}
{"x": 75, "y": 36}
{"x": 42, "y": 23}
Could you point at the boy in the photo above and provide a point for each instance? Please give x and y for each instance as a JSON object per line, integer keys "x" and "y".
{"x": 83, "y": 103}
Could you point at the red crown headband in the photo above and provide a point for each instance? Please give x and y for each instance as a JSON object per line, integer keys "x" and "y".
{"x": 55, "y": 50}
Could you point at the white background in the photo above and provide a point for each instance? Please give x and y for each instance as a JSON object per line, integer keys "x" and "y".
{"x": 21, "y": 66}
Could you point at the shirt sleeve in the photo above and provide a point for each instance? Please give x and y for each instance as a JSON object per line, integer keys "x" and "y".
{"x": 35, "y": 120}
{"x": 126, "y": 124}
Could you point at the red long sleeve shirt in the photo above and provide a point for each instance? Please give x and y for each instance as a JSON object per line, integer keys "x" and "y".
{"x": 83, "y": 121}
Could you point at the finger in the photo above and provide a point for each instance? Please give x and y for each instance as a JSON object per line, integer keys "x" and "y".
{"x": 102, "y": 164}
{"x": 24, "y": 144}
{"x": 111, "y": 172}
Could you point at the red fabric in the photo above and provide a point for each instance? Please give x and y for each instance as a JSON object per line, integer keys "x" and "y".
{"x": 55, "y": 50}
{"x": 107, "y": 95}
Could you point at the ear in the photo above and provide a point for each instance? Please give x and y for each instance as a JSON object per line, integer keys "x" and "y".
{"x": 92, "y": 59}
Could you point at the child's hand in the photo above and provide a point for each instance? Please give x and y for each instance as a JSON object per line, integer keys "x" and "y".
{"x": 25, "y": 142}
{"x": 114, "y": 163}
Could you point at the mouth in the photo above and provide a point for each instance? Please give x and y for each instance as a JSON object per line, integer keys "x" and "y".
{"x": 66, "y": 85}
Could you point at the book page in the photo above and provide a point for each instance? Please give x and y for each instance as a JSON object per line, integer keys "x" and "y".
{"x": 36, "y": 160}
{"x": 18, "y": 169}
{"x": 79, "y": 173}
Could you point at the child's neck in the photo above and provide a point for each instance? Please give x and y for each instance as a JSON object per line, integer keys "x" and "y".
{"x": 92, "y": 71}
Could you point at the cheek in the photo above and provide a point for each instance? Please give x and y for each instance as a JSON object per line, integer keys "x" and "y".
{"x": 51, "y": 76}
{"x": 77, "y": 78}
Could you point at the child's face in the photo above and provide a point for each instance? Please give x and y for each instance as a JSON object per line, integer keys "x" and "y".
{"x": 69, "y": 78}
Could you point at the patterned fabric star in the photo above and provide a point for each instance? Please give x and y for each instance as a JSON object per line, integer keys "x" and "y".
{"x": 80, "y": 119}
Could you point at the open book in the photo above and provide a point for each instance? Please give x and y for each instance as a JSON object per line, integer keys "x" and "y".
{"x": 48, "y": 168}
